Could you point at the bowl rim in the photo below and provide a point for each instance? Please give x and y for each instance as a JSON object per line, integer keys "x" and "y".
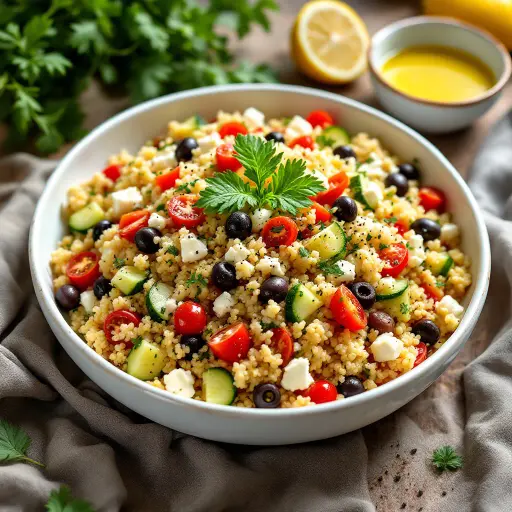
{"x": 448, "y": 22}
{"x": 39, "y": 268}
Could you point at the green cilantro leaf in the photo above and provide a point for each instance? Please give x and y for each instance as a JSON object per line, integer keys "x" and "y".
{"x": 445, "y": 458}
{"x": 62, "y": 501}
{"x": 14, "y": 443}
{"x": 404, "y": 308}
{"x": 303, "y": 252}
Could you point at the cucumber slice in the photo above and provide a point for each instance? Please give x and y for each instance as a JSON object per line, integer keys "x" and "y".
{"x": 439, "y": 263}
{"x": 331, "y": 242}
{"x": 218, "y": 387}
{"x": 145, "y": 361}
{"x": 129, "y": 280}
{"x": 389, "y": 288}
{"x": 156, "y": 299}
{"x": 300, "y": 303}
{"x": 334, "y": 136}
{"x": 362, "y": 193}
{"x": 399, "y": 307}
{"x": 86, "y": 218}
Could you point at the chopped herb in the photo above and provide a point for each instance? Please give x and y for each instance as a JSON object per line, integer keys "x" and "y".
{"x": 368, "y": 237}
{"x": 172, "y": 250}
{"x": 383, "y": 246}
{"x": 325, "y": 140}
{"x": 404, "y": 308}
{"x": 92, "y": 193}
{"x": 62, "y": 501}
{"x": 160, "y": 207}
{"x": 119, "y": 262}
{"x": 408, "y": 245}
{"x": 266, "y": 326}
{"x": 322, "y": 224}
{"x": 277, "y": 229}
{"x": 355, "y": 248}
{"x": 445, "y": 458}
{"x": 207, "y": 332}
{"x": 304, "y": 253}
{"x": 299, "y": 353}
{"x": 328, "y": 267}
{"x": 390, "y": 220}
{"x": 14, "y": 443}
{"x": 440, "y": 284}
{"x": 204, "y": 355}
{"x": 185, "y": 187}
{"x": 369, "y": 160}
{"x": 366, "y": 372}
{"x": 197, "y": 279}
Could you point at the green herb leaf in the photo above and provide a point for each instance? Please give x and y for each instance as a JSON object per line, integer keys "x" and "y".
{"x": 14, "y": 443}
{"x": 328, "y": 267}
{"x": 196, "y": 278}
{"x": 266, "y": 326}
{"x": 445, "y": 458}
{"x": 390, "y": 220}
{"x": 404, "y": 308}
{"x": 172, "y": 250}
{"x": 304, "y": 253}
{"x": 119, "y": 262}
{"x": 63, "y": 501}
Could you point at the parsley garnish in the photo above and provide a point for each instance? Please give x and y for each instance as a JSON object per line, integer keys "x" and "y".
{"x": 63, "y": 501}
{"x": 390, "y": 220}
{"x": 277, "y": 229}
{"x": 119, "y": 262}
{"x": 14, "y": 443}
{"x": 288, "y": 190}
{"x": 185, "y": 187}
{"x": 330, "y": 268}
{"x": 440, "y": 284}
{"x": 160, "y": 207}
{"x": 265, "y": 326}
{"x": 322, "y": 225}
{"x": 197, "y": 279}
{"x": 404, "y": 308}
{"x": 383, "y": 246}
{"x": 325, "y": 140}
{"x": 172, "y": 250}
{"x": 368, "y": 237}
{"x": 205, "y": 354}
{"x": 304, "y": 253}
{"x": 445, "y": 458}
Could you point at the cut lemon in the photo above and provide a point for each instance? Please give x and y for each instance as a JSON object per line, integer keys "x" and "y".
{"x": 330, "y": 42}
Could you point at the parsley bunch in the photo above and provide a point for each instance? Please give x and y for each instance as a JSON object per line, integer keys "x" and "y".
{"x": 285, "y": 186}
{"x": 52, "y": 49}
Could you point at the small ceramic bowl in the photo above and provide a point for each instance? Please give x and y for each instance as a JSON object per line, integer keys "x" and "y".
{"x": 433, "y": 116}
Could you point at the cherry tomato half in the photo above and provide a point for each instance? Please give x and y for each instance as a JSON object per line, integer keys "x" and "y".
{"x": 183, "y": 212}
{"x": 402, "y": 226}
{"x": 337, "y": 184}
{"x": 131, "y": 222}
{"x": 322, "y": 391}
{"x": 396, "y": 257}
{"x": 321, "y": 213}
{"x": 231, "y": 343}
{"x": 189, "y": 318}
{"x": 320, "y": 118}
{"x": 282, "y": 342}
{"x": 112, "y": 172}
{"x": 226, "y": 159}
{"x": 347, "y": 310}
{"x": 422, "y": 353}
{"x": 304, "y": 141}
{"x": 432, "y": 291}
{"x": 115, "y": 319}
{"x": 168, "y": 180}
{"x": 83, "y": 269}
{"x": 232, "y": 128}
{"x": 279, "y": 231}
{"x": 431, "y": 198}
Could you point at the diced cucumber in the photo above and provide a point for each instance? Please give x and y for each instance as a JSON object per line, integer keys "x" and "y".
{"x": 331, "y": 242}
{"x": 218, "y": 387}
{"x": 145, "y": 361}
{"x": 86, "y": 218}
{"x": 156, "y": 299}
{"x": 334, "y": 136}
{"x": 359, "y": 186}
{"x": 389, "y": 288}
{"x": 129, "y": 280}
{"x": 439, "y": 263}
{"x": 399, "y": 307}
{"x": 300, "y": 303}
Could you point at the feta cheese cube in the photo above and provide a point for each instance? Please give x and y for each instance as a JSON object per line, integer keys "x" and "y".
{"x": 180, "y": 382}
{"x": 192, "y": 249}
{"x": 296, "y": 375}
{"x": 373, "y": 193}
{"x": 417, "y": 253}
{"x": 157, "y": 221}
{"x": 451, "y": 306}
{"x": 223, "y": 303}
{"x": 87, "y": 299}
{"x": 170, "y": 307}
{"x": 254, "y": 118}
{"x": 237, "y": 253}
{"x": 348, "y": 269}
{"x": 209, "y": 142}
{"x": 164, "y": 159}
{"x": 449, "y": 232}
{"x": 298, "y": 127}
{"x": 259, "y": 218}
{"x": 386, "y": 348}
{"x": 269, "y": 265}
{"x": 126, "y": 200}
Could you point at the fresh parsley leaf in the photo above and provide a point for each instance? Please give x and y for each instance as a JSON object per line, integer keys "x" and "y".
{"x": 172, "y": 250}
{"x": 204, "y": 355}
{"x": 119, "y": 262}
{"x": 160, "y": 207}
{"x": 383, "y": 246}
{"x": 440, "y": 284}
{"x": 445, "y": 458}
{"x": 368, "y": 237}
{"x": 325, "y": 140}
{"x": 63, "y": 501}
{"x": 185, "y": 187}
{"x": 328, "y": 267}
{"x": 390, "y": 220}
{"x": 266, "y": 326}
{"x": 404, "y": 308}
{"x": 196, "y": 278}
{"x": 14, "y": 443}
{"x": 304, "y": 253}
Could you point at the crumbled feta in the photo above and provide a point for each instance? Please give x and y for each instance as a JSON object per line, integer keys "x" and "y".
{"x": 165, "y": 159}
{"x": 269, "y": 265}
{"x": 254, "y": 118}
{"x": 180, "y": 382}
{"x": 373, "y": 194}
{"x": 298, "y": 127}
{"x": 209, "y": 142}
{"x": 386, "y": 347}
{"x": 319, "y": 176}
{"x": 223, "y": 303}
{"x": 451, "y": 305}
{"x": 237, "y": 253}
{"x": 244, "y": 270}
{"x": 157, "y": 221}
{"x": 449, "y": 232}
{"x": 417, "y": 253}
{"x": 348, "y": 269}
{"x": 126, "y": 200}
{"x": 192, "y": 249}
{"x": 377, "y": 173}
{"x": 170, "y": 307}
{"x": 87, "y": 300}
{"x": 296, "y": 375}
{"x": 259, "y": 217}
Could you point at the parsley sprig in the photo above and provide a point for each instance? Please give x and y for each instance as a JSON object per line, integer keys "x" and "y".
{"x": 445, "y": 458}
{"x": 14, "y": 443}
{"x": 328, "y": 267}
{"x": 285, "y": 186}
{"x": 62, "y": 501}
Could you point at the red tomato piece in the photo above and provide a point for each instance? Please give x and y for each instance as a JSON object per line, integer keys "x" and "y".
{"x": 232, "y": 128}
{"x": 396, "y": 257}
{"x": 231, "y": 343}
{"x": 115, "y": 319}
{"x": 321, "y": 213}
{"x": 282, "y": 342}
{"x": 131, "y": 222}
{"x": 340, "y": 178}
{"x": 83, "y": 269}
{"x": 322, "y": 391}
{"x": 226, "y": 159}
{"x": 279, "y": 231}
{"x": 168, "y": 180}
{"x": 347, "y": 310}
{"x": 432, "y": 291}
{"x": 422, "y": 353}
{"x": 320, "y": 118}
{"x": 402, "y": 226}
{"x": 189, "y": 318}
{"x": 112, "y": 172}
{"x": 432, "y": 198}
{"x": 337, "y": 184}
{"x": 183, "y": 212}
{"x": 304, "y": 141}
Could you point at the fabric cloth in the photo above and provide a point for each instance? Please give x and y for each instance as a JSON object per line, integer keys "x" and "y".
{"x": 117, "y": 460}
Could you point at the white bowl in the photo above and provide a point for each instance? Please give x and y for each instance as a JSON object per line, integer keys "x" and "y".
{"x": 434, "y": 116}
{"x": 130, "y": 130}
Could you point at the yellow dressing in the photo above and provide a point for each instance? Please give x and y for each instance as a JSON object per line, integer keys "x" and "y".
{"x": 438, "y": 73}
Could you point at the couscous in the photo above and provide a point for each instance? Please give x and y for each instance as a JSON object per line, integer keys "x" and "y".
{"x": 261, "y": 263}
